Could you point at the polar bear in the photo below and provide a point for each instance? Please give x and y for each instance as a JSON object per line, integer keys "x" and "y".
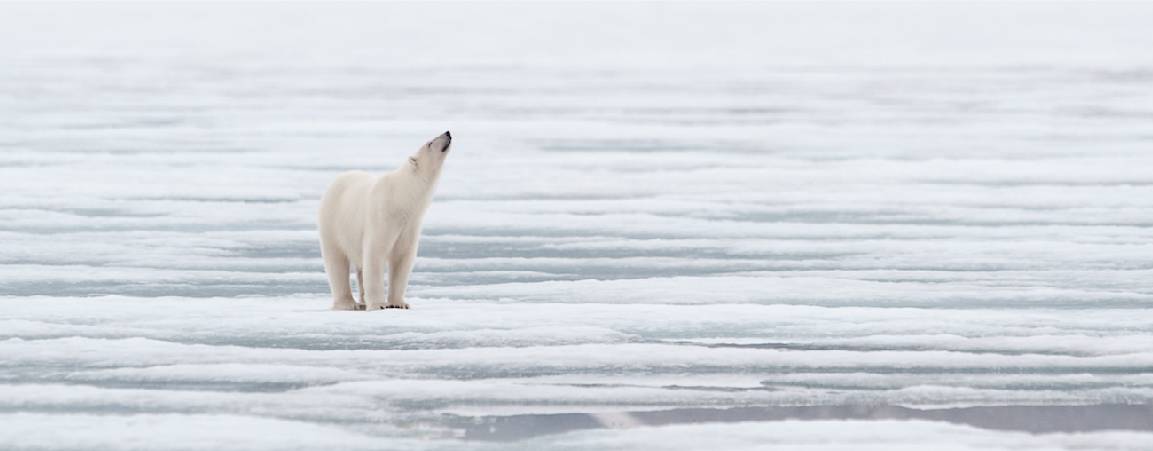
{"x": 366, "y": 221}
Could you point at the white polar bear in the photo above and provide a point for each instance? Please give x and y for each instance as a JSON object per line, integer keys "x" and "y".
{"x": 367, "y": 220}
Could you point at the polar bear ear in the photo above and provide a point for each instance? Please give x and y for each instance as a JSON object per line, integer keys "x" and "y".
{"x": 413, "y": 162}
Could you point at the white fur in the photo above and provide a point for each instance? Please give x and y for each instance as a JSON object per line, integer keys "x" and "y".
{"x": 367, "y": 222}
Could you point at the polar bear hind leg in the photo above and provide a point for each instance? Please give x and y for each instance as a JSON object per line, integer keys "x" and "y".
{"x": 337, "y": 266}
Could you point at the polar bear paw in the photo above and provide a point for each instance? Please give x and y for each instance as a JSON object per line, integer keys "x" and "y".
{"x": 403, "y": 305}
{"x": 347, "y": 306}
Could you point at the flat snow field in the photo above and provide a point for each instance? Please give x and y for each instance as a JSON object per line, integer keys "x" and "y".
{"x": 662, "y": 226}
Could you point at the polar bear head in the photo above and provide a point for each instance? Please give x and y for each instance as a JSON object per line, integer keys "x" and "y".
{"x": 428, "y": 160}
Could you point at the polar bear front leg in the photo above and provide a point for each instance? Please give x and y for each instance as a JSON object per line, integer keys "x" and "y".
{"x": 374, "y": 260}
{"x": 399, "y": 268}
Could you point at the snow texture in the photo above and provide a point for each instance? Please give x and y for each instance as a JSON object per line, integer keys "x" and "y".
{"x": 655, "y": 216}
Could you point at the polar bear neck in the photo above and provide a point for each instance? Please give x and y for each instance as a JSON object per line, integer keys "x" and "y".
{"x": 414, "y": 183}
{"x": 424, "y": 179}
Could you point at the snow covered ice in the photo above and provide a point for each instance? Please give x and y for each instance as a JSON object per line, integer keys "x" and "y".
{"x": 703, "y": 226}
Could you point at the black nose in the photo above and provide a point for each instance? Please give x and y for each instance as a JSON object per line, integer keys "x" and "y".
{"x": 447, "y": 134}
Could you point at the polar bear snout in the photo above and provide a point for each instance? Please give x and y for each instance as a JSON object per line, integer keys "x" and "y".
{"x": 445, "y": 141}
{"x": 440, "y": 143}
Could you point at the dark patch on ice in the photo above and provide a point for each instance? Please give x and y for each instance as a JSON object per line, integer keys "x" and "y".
{"x": 849, "y": 347}
{"x": 282, "y": 249}
{"x": 458, "y": 372}
{"x": 49, "y": 229}
{"x": 96, "y": 212}
{"x": 1031, "y": 419}
{"x": 242, "y": 200}
{"x": 195, "y": 385}
{"x": 191, "y": 289}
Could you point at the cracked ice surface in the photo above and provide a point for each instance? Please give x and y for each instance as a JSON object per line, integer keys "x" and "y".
{"x": 650, "y": 230}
